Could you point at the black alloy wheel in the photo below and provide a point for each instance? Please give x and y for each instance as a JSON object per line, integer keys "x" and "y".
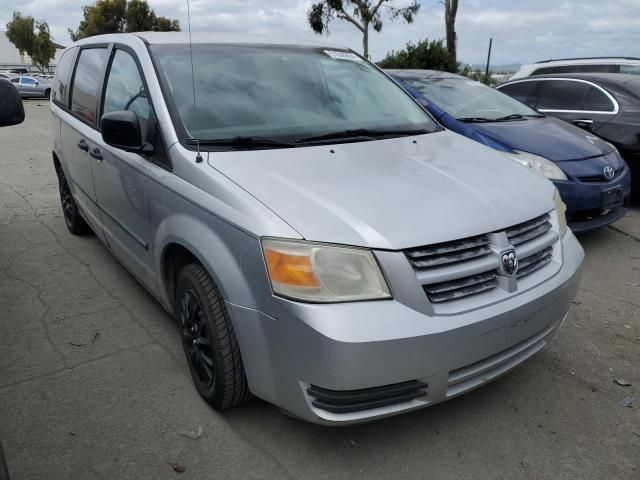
{"x": 196, "y": 339}
{"x": 208, "y": 340}
{"x": 74, "y": 221}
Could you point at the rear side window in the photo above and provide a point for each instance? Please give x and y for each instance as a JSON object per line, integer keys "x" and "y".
{"x": 576, "y": 69}
{"x": 630, "y": 69}
{"x": 86, "y": 81}
{"x": 520, "y": 91}
{"x": 584, "y": 69}
{"x": 597, "y": 101}
{"x": 543, "y": 71}
{"x": 125, "y": 89}
{"x": 63, "y": 74}
{"x": 561, "y": 95}
{"x": 28, "y": 81}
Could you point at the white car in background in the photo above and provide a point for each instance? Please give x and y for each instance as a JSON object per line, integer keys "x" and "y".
{"x": 580, "y": 65}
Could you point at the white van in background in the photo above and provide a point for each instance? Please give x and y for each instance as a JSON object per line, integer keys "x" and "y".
{"x": 580, "y": 65}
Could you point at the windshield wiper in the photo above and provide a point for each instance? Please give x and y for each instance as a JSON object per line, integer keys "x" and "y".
{"x": 475, "y": 119}
{"x": 240, "y": 141}
{"x": 506, "y": 118}
{"x": 360, "y": 133}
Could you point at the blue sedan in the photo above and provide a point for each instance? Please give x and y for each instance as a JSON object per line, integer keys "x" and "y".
{"x": 592, "y": 178}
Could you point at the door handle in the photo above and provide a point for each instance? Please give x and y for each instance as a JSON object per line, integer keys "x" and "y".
{"x": 583, "y": 121}
{"x": 82, "y": 145}
{"x": 96, "y": 153}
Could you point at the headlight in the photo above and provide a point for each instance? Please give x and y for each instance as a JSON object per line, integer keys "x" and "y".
{"x": 539, "y": 164}
{"x": 561, "y": 210}
{"x": 613, "y": 147}
{"x": 323, "y": 273}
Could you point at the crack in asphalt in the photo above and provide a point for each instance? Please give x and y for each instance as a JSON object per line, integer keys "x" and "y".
{"x": 179, "y": 362}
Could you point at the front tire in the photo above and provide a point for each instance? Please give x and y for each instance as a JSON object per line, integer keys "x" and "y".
{"x": 75, "y": 223}
{"x": 209, "y": 341}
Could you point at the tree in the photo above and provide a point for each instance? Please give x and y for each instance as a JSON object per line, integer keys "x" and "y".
{"x": 32, "y": 38}
{"x": 43, "y": 47}
{"x": 117, "y": 16}
{"x": 360, "y": 13}
{"x": 450, "y": 12}
{"x": 429, "y": 55}
{"x": 20, "y": 32}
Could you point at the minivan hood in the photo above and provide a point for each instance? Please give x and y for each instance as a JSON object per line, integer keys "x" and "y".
{"x": 548, "y": 137}
{"x": 390, "y": 194}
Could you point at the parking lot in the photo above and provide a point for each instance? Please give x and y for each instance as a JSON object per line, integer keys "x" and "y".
{"x": 93, "y": 382}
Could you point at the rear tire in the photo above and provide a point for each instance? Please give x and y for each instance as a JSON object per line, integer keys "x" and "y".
{"x": 74, "y": 221}
{"x": 209, "y": 341}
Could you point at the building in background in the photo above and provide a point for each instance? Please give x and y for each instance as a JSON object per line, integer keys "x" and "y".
{"x": 10, "y": 57}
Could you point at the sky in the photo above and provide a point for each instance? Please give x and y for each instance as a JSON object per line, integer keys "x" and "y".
{"x": 523, "y": 31}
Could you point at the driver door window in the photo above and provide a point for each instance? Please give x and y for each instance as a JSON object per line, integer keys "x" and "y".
{"x": 125, "y": 89}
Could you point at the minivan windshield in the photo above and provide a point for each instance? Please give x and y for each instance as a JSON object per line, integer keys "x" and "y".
{"x": 276, "y": 94}
{"x": 469, "y": 100}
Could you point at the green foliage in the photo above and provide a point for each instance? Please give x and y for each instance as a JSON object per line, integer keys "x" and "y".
{"x": 478, "y": 76}
{"x": 20, "y": 32}
{"x": 117, "y": 16}
{"x": 164, "y": 24}
{"x": 43, "y": 47}
{"x": 360, "y": 13}
{"x": 428, "y": 55}
{"x": 32, "y": 38}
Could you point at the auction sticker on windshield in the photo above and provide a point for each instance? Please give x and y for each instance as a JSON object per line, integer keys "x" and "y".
{"x": 340, "y": 55}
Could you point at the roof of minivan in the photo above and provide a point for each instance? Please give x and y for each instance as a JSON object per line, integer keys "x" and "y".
{"x": 417, "y": 73}
{"x": 205, "y": 37}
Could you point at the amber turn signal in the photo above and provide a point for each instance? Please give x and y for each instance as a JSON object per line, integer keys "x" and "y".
{"x": 293, "y": 270}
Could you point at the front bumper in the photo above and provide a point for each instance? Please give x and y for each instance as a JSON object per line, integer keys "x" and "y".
{"x": 584, "y": 200}
{"x": 307, "y": 348}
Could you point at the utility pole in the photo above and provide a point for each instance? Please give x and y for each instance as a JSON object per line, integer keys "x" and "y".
{"x": 486, "y": 71}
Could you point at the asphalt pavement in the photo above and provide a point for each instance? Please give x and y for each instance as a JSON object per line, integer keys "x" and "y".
{"x": 93, "y": 383}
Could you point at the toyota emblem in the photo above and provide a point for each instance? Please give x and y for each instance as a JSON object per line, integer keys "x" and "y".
{"x": 509, "y": 262}
{"x": 609, "y": 172}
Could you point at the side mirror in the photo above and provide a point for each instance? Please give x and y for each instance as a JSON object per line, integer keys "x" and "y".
{"x": 121, "y": 130}
{"x": 11, "y": 108}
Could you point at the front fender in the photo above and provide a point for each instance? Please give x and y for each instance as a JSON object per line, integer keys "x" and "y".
{"x": 232, "y": 257}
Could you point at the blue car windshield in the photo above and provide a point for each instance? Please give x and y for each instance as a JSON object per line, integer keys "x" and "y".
{"x": 463, "y": 98}
{"x": 281, "y": 92}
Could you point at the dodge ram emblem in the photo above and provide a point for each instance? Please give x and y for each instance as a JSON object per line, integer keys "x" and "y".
{"x": 509, "y": 262}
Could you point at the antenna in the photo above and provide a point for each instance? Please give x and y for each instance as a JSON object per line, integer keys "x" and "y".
{"x": 193, "y": 79}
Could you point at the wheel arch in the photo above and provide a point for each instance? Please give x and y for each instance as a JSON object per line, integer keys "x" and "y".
{"x": 208, "y": 246}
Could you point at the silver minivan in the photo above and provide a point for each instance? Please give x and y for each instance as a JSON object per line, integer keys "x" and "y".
{"x": 323, "y": 243}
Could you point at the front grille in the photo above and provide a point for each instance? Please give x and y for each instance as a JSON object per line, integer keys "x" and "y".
{"x": 526, "y": 231}
{"x": 462, "y": 287}
{"x": 450, "y": 252}
{"x": 599, "y": 178}
{"x": 454, "y": 270}
{"x": 534, "y": 262}
{"x": 441, "y": 264}
{"x": 346, "y": 401}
